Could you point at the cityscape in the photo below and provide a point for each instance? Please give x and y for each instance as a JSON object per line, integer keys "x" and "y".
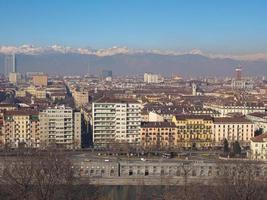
{"x": 134, "y": 122}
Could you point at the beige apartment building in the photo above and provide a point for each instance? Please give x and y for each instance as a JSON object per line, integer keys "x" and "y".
{"x": 158, "y": 135}
{"x": 21, "y": 127}
{"x": 40, "y": 80}
{"x": 233, "y": 129}
{"x": 81, "y": 97}
{"x": 60, "y": 126}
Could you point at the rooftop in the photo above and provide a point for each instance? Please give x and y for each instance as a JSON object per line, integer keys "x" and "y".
{"x": 115, "y": 100}
{"x": 157, "y": 124}
{"x": 231, "y": 120}
{"x": 259, "y": 138}
{"x": 188, "y": 116}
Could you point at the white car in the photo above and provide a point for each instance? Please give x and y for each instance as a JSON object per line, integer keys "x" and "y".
{"x": 143, "y": 159}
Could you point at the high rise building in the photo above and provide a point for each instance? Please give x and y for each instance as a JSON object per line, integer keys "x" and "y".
{"x": 10, "y": 64}
{"x": 116, "y": 120}
{"x": 106, "y": 75}
{"x": 238, "y": 73}
{"x": 60, "y": 126}
{"x": 153, "y": 78}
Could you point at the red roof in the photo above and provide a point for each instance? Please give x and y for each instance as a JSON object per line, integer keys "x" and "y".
{"x": 259, "y": 138}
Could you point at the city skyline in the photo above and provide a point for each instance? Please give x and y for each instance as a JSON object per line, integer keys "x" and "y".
{"x": 211, "y": 26}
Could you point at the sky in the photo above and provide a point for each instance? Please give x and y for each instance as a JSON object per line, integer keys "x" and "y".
{"x": 218, "y": 26}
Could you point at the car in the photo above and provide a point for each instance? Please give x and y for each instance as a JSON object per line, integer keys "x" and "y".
{"x": 143, "y": 159}
{"x": 106, "y": 160}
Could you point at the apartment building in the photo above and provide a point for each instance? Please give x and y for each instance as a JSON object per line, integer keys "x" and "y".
{"x": 258, "y": 147}
{"x": 158, "y": 135}
{"x": 40, "y": 80}
{"x": 21, "y": 127}
{"x": 60, "y": 126}
{"x": 260, "y": 120}
{"x": 233, "y": 129}
{"x": 153, "y": 78}
{"x": 116, "y": 120}
{"x": 81, "y": 97}
{"x": 244, "y": 109}
{"x": 193, "y": 130}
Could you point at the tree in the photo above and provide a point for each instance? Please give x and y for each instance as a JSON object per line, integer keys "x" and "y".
{"x": 225, "y": 146}
{"x": 239, "y": 180}
{"x": 258, "y": 132}
{"x": 236, "y": 148}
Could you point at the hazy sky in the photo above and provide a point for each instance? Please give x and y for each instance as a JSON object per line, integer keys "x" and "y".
{"x": 223, "y": 26}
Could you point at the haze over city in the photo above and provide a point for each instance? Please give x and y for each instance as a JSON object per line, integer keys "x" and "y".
{"x": 133, "y": 100}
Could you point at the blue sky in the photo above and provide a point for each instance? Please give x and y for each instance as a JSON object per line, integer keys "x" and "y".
{"x": 219, "y": 26}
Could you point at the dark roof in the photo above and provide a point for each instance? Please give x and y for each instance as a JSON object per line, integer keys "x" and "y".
{"x": 258, "y": 114}
{"x": 231, "y": 120}
{"x": 259, "y": 138}
{"x": 188, "y": 116}
{"x": 21, "y": 112}
{"x": 115, "y": 100}
{"x": 157, "y": 124}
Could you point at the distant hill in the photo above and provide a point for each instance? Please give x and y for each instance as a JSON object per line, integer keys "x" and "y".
{"x": 189, "y": 65}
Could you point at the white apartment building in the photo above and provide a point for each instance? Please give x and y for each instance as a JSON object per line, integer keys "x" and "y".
{"x": 243, "y": 109}
{"x": 258, "y": 147}
{"x": 60, "y": 126}
{"x": 116, "y": 120}
{"x": 260, "y": 120}
{"x": 152, "y": 78}
{"x": 233, "y": 129}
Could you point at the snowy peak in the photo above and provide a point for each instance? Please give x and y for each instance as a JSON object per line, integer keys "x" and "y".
{"x": 34, "y": 50}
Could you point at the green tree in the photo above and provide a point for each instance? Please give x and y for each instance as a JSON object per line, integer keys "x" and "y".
{"x": 258, "y": 132}
{"x": 236, "y": 148}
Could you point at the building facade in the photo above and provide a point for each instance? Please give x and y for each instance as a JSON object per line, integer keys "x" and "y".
{"x": 21, "y": 127}
{"x": 258, "y": 147}
{"x": 116, "y": 120}
{"x": 60, "y": 126}
{"x": 152, "y": 78}
{"x": 243, "y": 109}
{"x": 233, "y": 129}
{"x": 193, "y": 130}
{"x": 40, "y": 80}
{"x": 158, "y": 135}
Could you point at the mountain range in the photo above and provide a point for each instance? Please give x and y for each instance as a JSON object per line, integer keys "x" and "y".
{"x": 61, "y": 60}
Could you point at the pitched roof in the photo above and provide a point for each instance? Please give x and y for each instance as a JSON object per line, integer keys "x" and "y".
{"x": 157, "y": 124}
{"x": 188, "y": 116}
{"x": 259, "y": 138}
{"x": 231, "y": 120}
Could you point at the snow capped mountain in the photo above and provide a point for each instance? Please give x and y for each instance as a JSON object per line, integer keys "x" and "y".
{"x": 34, "y": 50}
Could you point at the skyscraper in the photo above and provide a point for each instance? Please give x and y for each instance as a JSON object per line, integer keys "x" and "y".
{"x": 238, "y": 73}
{"x": 10, "y": 64}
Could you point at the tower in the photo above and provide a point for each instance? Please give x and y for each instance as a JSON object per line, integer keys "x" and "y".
{"x": 10, "y": 64}
{"x": 194, "y": 89}
{"x": 238, "y": 74}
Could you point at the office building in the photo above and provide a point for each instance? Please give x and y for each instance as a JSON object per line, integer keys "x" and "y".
{"x": 10, "y": 64}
